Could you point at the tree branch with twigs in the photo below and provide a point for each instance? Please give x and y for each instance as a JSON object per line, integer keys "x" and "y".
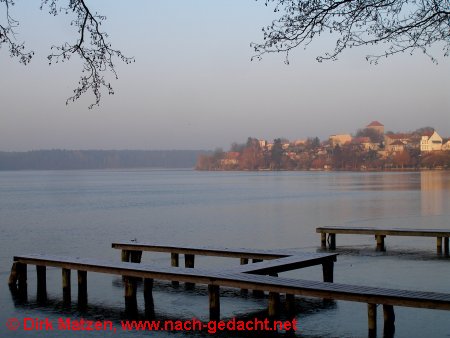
{"x": 399, "y": 25}
{"x": 92, "y": 47}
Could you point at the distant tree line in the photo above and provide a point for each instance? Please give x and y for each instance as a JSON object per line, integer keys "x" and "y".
{"x": 98, "y": 159}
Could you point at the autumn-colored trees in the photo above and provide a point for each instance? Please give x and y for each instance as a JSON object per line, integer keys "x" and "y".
{"x": 311, "y": 154}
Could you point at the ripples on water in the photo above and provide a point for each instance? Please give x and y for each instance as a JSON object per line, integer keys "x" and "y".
{"x": 82, "y": 212}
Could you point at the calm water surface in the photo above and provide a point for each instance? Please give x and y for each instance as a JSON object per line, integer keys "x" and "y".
{"x": 79, "y": 213}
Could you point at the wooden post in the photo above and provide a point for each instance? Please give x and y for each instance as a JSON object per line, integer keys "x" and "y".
{"x": 175, "y": 262}
{"x": 148, "y": 298}
{"x": 22, "y": 278}
{"x": 380, "y": 242}
{"x": 332, "y": 238}
{"x": 125, "y": 256}
{"x": 135, "y": 256}
{"x": 257, "y": 293}
{"x": 327, "y": 271}
{"x": 130, "y": 296}
{"x": 18, "y": 280}
{"x": 189, "y": 264}
{"x": 12, "y": 282}
{"x": 274, "y": 304}
{"x": 41, "y": 272}
{"x": 372, "y": 316}
{"x": 244, "y": 261}
{"x": 66, "y": 288}
{"x": 446, "y": 248}
{"x": 323, "y": 240}
{"x": 389, "y": 321}
{"x": 439, "y": 245}
{"x": 189, "y": 261}
{"x": 290, "y": 303}
{"x": 82, "y": 288}
{"x": 214, "y": 302}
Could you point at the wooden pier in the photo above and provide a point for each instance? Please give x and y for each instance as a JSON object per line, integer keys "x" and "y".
{"x": 265, "y": 262}
{"x": 251, "y": 276}
{"x": 442, "y": 235}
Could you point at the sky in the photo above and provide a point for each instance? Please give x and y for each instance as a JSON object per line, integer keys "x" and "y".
{"x": 193, "y": 85}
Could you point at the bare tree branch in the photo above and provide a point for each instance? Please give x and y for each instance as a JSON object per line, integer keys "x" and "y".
{"x": 399, "y": 25}
{"x": 92, "y": 46}
{"x": 8, "y": 36}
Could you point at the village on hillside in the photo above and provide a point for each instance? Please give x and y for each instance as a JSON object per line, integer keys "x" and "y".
{"x": 371, "y": 148}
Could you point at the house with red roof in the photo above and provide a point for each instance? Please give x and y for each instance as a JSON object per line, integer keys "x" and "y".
{"x": 375, "y": 125}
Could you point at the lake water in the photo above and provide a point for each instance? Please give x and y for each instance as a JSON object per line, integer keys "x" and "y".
{"x": 79, "y": 213}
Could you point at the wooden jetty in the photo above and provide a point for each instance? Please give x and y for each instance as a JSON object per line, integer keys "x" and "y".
{"x": 442, "y": 235}
{"x": 265, "y": 262}
{"x": 247, "y": 277}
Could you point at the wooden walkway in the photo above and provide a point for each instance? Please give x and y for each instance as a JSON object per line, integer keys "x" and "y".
{"x": 381, "y": 233}
{"x": 244, "y": 279}
{"x": 265, "y": 262}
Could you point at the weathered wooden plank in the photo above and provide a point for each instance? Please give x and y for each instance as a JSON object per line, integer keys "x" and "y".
{"x": 286, "y": 263}
{"x": 205, "y": 250}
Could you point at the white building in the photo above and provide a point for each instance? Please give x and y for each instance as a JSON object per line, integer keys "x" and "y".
{"x": 431, "y": 142}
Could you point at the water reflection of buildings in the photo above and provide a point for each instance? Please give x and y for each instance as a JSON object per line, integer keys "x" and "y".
{"x": 434, "y": 186}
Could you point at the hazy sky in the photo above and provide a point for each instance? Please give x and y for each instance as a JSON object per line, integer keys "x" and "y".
{"x": 193, "y": 85}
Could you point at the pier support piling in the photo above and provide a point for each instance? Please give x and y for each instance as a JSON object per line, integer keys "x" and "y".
{"x": 446, "y": 248}
{"x": 389, "y": 321}
{"x": 175, "y": 262}
{"x": 372, "y": 317}
{"x": 125, "y": 255}
{"x": 332, "y": 239}
{"x": 41, "y": 272}
{"x": 257, "y": 293}
{"x": 274, "y": 304}
{"x": 244, "y": 261}
{"x": 439, "y": 245}
{"x": 214, "y": 302}
{"x": 18, "y": 280}
{"x": 323, "y": 240}
{"x": 290, "y": 303}
{"x": 148, "y": 298}
{"x": 328, "y": 271}
{"x": 66, "y": 287}
{"x": 82, "y": 289}
{"x": 189, "y": 264}
{"x": 135, "y": 256}
{"x": 380, "y": 242}
{"x": 130, "y": 296}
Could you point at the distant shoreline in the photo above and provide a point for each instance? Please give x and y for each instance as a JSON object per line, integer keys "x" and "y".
{"x": 99, "y": 159}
